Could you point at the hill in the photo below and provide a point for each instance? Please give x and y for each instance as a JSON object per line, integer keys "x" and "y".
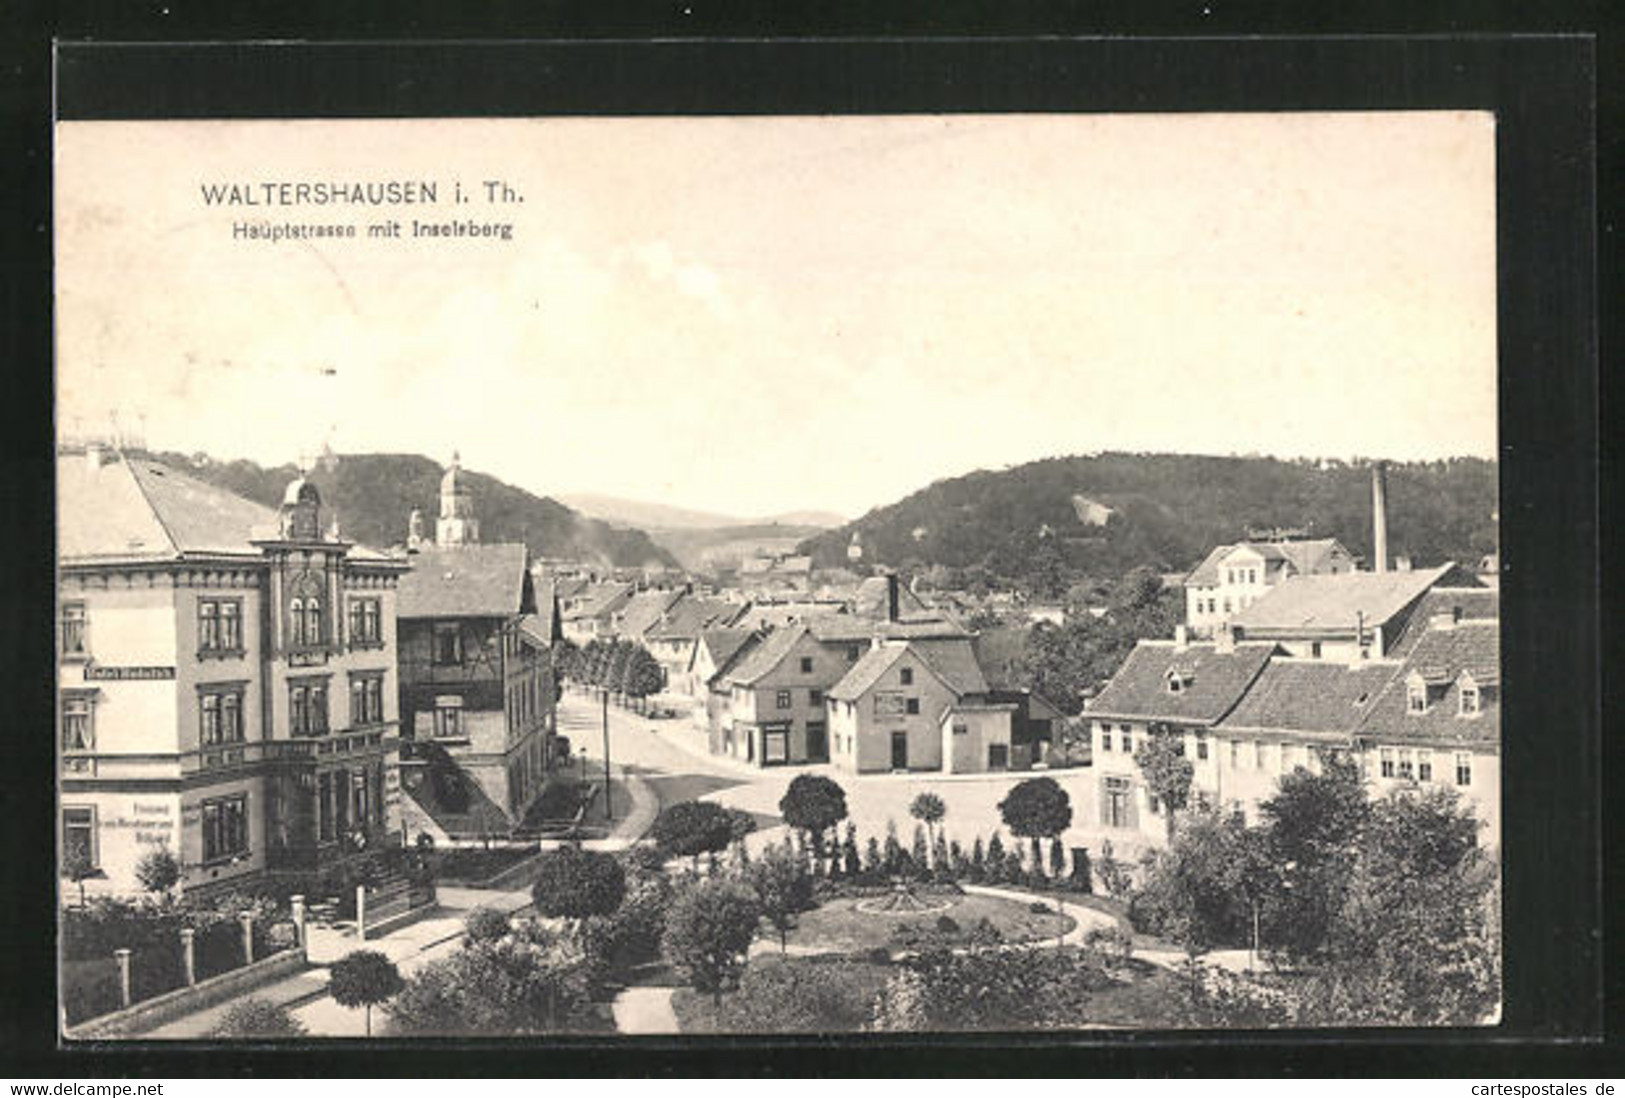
{"x": 662, "y": 517}
{"x": 1045, "y": 522}
{"x": 373, "y": 494}
{"x": 706, "y": 550}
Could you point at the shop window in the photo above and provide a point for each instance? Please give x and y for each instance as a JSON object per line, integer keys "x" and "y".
{"x": 225, "y": 827}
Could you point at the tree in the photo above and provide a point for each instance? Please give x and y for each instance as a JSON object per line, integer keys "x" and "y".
{"x": 642, "y": 675}
{"x": 813, "y": 804}
{"x": 567, "y": 660}
{"x": 258, "y": 1018}
{"x": 158, "y": 870}
{"x": 777, "y": 996}
{"x": 78, "y": 868}
{"x": 691, "y": 828}
{"x": 526, "y": 982}
{"x": 709, "y": 928}
{"x": 784, "y": 888}
{"x": 1312, "y": 829}
{"x": 929, "y": 810}
{"x": 1194, "y": 893}
{"x": 741, "y": 825}
{"x": 1037, "y": 809}
{"x": 364, "y": 978}
{"x": 1168, "y": 773}
{"x": 572, "y": 883}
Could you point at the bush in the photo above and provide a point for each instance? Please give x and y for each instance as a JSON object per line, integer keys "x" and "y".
{"x": 158, "y": 870}
{"x": 947, "y": 925}
{"x": 879, "y": 955}
{"x": 484, "y": 924}
{"x": 526, "y": 983}
{"x": 691, "y": 828}
{"x": 799, "y": 996}
{"x": 1112, "y": 942}
{"x": 1038, "y": 907}
{"x": 709, "y": 928}
{"x": 258, "y": 1018}
{"x": 573, "y": 883}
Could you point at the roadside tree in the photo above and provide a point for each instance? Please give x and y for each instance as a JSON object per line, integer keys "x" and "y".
{"x": 364, "y": 978}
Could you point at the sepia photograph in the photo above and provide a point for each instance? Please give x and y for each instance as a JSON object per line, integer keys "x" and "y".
{"x": 781, "y": 574}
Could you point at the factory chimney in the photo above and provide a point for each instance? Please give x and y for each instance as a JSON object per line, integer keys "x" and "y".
{"x": 1379, "y": 516}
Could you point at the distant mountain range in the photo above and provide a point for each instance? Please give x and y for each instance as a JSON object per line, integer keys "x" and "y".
{"x": 373, "y": 496}
{"x": 659, "y": 516}
{"x": 1100, "y": 515}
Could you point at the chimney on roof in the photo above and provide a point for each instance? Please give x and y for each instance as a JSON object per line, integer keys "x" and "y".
{"x": 893, "y": 597}
{"x": 1379, "y": 516}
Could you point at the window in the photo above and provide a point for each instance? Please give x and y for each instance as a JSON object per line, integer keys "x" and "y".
{"x": 307, "y": 708}
{"x": 366, "y": 699}
{"x": 1252, "y": 575}
{"x": 1424, "y": 765}
{"x": 1407, "y": 767}
{"x": 1201, "y": 748}
{"x": 1227, "y": 606}
{"x": 220, "y": 715}
{"x": 1469, "y": 700}
{"x": 806, "y": 665}
{"x": 78, "y": 725}
{"x": 1235, "y": 754}
{"x": 74, "y": 630}
{"x": 296, "y": 623}
{"x": 1128, "y": 738}
{"x": 1464, "y": 768}
{"x": 853, "y": 651}
{"x": 219, "y": 626}
{"x": 1386, "y": 756}
{"x": 79, "y": 835}
{"x": 1314, "y": 650}
{"x": 1416, "y": 698}
{"x": 907, "y": 676}
{"x": 365, "y": 622}
{"x": 815, "y": 697}
{"x": 448, "y": 643}
{"x": 1175, "y": 683}
{"x": 912, "y": 706}
{"x": 1258, "y": 754}
{"x": 1105, "y": 737}
{"x": 225, "y": 827}
{"x": 1116, "y": 803}
{"x": 961, "y": 729}
{"x": 781, "y": 699}
{"x": 448, "y": 721}
{"x": 313, "y": 621}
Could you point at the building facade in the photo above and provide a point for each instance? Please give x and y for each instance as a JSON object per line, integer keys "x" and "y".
{"x": 226, "y": 678}
{"x": 1233, "y": 577}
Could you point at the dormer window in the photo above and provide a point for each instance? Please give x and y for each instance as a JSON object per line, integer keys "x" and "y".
{"x": 1416, "y": 694}
{"x": 1178, "y": 679}
{"x": 1467, "y": 691}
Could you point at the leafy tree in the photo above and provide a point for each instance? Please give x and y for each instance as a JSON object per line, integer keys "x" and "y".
{"x": 1193, "y": 892}
{"x": 691, "y": 828}
{"x": 919, "y": 853}
{"x": 741, "y": 824}
{"x": 567, "y": 661}
{"x": 158, "y": 870}
{"x": 1036, "y": 809}
{"x": 929, "y": 810}
{"x": 709, "y": 928}
{"x": 485, "y": 924}
{"x": 572, "y": 883}
{"x": 257, "y": 1018}
{"x": 1168, "y": 773}
{"x": 784, "y": 888}
{"x": 364, "y": 978}
{"x": 642, "y": 675}
{"x": 523, "y": 983}
{"x": 776, "y": 996}
{"x": 813, "y": 804}
{"x": 78, "y": 868}
{"x": 853, "y": 863}
{"x": 1312, "y": 828}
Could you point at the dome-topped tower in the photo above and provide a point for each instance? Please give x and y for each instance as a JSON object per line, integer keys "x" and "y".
{"x": 301, "y": 511}
{"x": 457, "y": 524}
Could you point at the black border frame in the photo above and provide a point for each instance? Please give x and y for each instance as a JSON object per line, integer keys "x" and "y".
{"x": 1541, "y": 89}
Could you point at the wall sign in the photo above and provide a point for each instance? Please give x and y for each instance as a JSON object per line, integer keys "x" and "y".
{"x": 95, "y": 672}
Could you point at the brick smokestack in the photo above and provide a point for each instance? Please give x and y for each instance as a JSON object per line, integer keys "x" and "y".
{"x": 1379, "y": 516}
{"x": 893, "y": 597}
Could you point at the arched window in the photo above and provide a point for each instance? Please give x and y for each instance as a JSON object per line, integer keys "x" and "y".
{"x": 296, "y": 622}
{"x": 313, "y": 621}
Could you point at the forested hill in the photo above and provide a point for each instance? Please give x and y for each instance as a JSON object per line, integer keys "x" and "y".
{"x": 1166, "y": 511}
{"x": 374, "y": 494}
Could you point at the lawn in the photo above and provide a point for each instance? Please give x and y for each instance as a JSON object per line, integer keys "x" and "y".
{"x": 838, "y": 926}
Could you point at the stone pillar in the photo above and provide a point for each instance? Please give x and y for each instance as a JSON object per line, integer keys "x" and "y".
{"x": 123, "y": 956}
{"x": 188, "y": 955}
{"x": 361, "y": 913}
{"x": 298, "y": 904}
{"x": 247, "y": 922}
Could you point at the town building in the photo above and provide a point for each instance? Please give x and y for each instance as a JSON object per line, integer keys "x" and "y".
{"x": 674, "y": 639}
{"x": 889, "y": 711}
{"x": 590, "y": 612}
{"x": 1233, "y": 577}
{"x": 477, "y": 686}
{"x": 226, "y": 678}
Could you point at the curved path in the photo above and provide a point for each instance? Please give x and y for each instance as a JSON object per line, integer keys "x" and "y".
{"x": 645, "y": 1010}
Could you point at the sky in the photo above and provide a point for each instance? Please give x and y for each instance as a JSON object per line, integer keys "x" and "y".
{"x": 754, "y": 315}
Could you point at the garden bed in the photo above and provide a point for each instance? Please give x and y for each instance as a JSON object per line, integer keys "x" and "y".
{"x": 840, "y": 927}
{"x": 788, "y": 995}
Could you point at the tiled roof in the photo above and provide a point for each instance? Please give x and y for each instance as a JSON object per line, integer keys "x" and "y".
{"x": 861, "y": 676}
{"x": 691, "y": 616}
{"x": 1472, "y": 603}
{"x": 870, "y": 600}
{"x": 1310, "y": 696}
{"x": 643, "y": 611}
{"x": 543, "y": 627}
{"x": 1217, "y": 681}
{"x": 1305, "y": 557}
{"x": 1336, "y": 602}
{"x": 767, "y": 655}
{"x": 1473, "y": 647}
{"x": 599, "y": 599}
{"x": 725, "y": 644}
{"x": 955, "y": 662}
{"x": 464, "y": 581}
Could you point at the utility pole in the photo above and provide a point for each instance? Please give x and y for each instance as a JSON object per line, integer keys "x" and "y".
{"x": 609, "y": 813}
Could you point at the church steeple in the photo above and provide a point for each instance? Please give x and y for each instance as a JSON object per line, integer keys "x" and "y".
{"x": 457, "y": 524}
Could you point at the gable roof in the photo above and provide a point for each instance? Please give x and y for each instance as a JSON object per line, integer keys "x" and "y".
{"x": 1139, "y": 689}
{"x": 863, "y": 675}
{"x": 1300, "y": 695}
{"x": 1310, "y": 604}
{"x": 468, "y": 581}
{"x": 643, "y": 610}
{"x": 690, "y": 616}
{"x": 955, "y": 663}
{"x": 1443, "y": 654}
{"x": 723, "y": 645}
{"x": 598, "y": 599}
{"x": 130, "y": 507}
{"x": 1473, "y": 604}
{"x": 1305, "y": 556}
{"x": 767, "y": 655}
{"x": 544, "y": 626}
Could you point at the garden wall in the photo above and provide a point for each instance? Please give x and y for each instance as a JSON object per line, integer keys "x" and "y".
{"x": 165, "y": 1008}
